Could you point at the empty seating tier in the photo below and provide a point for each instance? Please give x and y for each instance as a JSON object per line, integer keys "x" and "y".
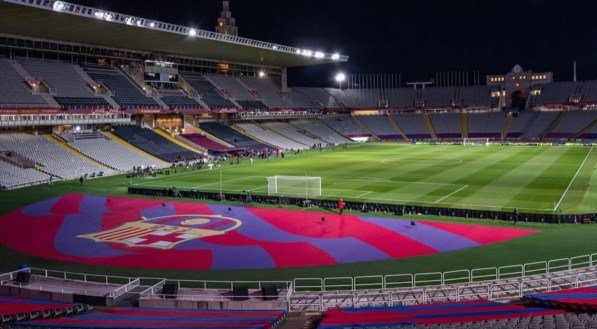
{"x": 345, "y": 125}
{"x": 154, "y": 144}
{"x": 14, "y": 91}
{"x": 319, "y": 130}
{"x": 413, "y": 126}
{"x": 270, "y": 94}
{"x": 578, "y": 298}
{"x": 207, "y": 143}
{"x": 437, "y": 313}
{"x": 446, "y": 125}
{"x": 13, "y": 176}
{"x": 176, "y": 99}
{"x": 14, "y": 308}
{"x": 114, "y": 154}
{"x": 124, "y": 91}
{"x": 439, "y": 96}
{"x": 486, "y": 125}
{"x": 401, "y": 97}
{"x": 572, "y": 123}
{"x": 381, "y": 126}
{"x": 271, "y": 137}
{"x": 252, "y": 105}
{"x": 231, "y": 136}
{"x": 208, "y": 92}
{"x": 318, "y": 96}
{"x": 164, "y": 318}
{"x": 53, "y": 158}
{"x": 232, "y": 87}
{"x": 68, "y": 86}
{"x": 288, "y": 130}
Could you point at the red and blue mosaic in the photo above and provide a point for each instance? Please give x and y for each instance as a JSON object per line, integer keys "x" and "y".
{"x": 155, "y": 234}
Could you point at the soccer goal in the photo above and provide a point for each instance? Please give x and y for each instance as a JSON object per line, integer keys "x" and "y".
{"x": 294, "y": 186}
{"x": 475, "y": 141}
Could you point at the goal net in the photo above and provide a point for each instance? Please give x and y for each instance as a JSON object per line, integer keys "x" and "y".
{"x": 475, "y": 141}
{"x": 294, "y": 186}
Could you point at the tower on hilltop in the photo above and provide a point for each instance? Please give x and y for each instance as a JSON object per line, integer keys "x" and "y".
{"x": 227, "y": 23}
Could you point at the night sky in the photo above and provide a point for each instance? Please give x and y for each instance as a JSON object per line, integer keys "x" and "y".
{"x": 413, "y": 37}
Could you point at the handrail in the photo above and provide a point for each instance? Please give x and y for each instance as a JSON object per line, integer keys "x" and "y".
{"x": 444, "y": 278}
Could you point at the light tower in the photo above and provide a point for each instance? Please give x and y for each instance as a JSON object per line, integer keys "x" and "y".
{"x": 227, "y": 23}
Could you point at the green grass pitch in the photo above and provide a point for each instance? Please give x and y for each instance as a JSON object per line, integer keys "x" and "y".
{"x": 531, "y": 178}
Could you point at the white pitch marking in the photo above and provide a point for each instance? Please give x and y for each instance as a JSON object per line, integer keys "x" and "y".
{"x": 449, "y": 195}
{"x": 362, "y": 195}
{"x": 572, "y": 180}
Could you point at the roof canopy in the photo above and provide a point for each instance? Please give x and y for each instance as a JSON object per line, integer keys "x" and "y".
{"x": 62, "y": 21}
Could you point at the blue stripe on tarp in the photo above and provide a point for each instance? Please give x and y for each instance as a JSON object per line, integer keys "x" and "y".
{"x": 170, "y": 318}
{"x": 388, "y": 324}
{"x": 479, "y": 313}
{"x": 424, "y": 307}
{"x": 565, "y": 296}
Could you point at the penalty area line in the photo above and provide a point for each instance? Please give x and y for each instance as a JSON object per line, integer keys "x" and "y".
{"x": 449, "y": 195}
{"x": 572, "y": 180}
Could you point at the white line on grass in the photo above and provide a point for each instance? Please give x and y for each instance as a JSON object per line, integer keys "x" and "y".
{"x": 362, "y": 195}
{"x": 449, "y": 195}
{"x": 572, "y": 180}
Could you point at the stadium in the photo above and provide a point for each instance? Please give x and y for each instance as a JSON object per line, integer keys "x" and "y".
{"x": 157, "y": 175}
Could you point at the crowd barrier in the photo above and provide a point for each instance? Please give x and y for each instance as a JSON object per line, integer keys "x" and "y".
{"x": 368, "y": 207}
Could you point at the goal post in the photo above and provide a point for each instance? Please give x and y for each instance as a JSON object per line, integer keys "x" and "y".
{"x": 475, "y": 141}
{"x": 294, "y": 186}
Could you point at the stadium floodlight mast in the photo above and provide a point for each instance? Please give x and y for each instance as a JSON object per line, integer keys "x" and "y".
{"x": 340, "y": 77}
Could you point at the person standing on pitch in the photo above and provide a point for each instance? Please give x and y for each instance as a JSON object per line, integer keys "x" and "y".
{"x": 341, "y": 206}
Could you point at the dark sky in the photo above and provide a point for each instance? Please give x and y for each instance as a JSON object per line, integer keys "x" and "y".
{"x": 413, "y": 37}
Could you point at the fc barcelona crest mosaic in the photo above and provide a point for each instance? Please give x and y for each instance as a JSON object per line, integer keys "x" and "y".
{"x": 155, "y": 234}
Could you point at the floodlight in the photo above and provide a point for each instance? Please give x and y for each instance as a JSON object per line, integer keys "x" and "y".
{"x": 152, "y": 25}
{"x": 99, "y": 14}
{"x": 261, "y": 74}
{"x": 274, "y": 47}
{"x": 340, "y": 77}
{"x": 192, "y": 32}
{"x": 59, "y": 6}
{"x": 298, "y": 51}
{"x": 108, "y": 17}
{"x": 307, "y": 53}
{"x": 319, "y": 54}
{"x": 336, "y": 56}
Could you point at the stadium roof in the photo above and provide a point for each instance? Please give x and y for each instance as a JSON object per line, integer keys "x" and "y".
{"x": 62, "y": 21}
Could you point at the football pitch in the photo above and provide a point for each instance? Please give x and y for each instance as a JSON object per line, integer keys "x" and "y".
{"x": 533, "y": 178}
{"x": 543, "y": 179}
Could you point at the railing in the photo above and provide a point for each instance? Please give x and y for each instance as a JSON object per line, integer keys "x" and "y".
{"x": 444, "y": 278}
{"x": 500, "y": 291}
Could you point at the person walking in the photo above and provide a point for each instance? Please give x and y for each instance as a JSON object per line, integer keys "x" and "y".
{"x": 341, "y": 206}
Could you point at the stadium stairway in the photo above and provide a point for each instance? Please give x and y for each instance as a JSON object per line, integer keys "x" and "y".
{"x": 26, "y": 75}
{"x": 585, "y": 129}
{"x": 464, "y": 123}
{"x": 395, "y": 125}
{"x": 198, "y": 130}
{"x": 67, "y": 147}
{"x": 117, "y": 139}
{"x": 244, "y": 132}
{"x": 220, "y": 91}
{"x": 177, "y": 141}
{"x": 332, "y": 128}
{"x": 553, "y": 125}
{"x": 268, "y": 128}
{"x": 362, "y": 125}
{"x": 429, "y": 125}
{"x": 507, "y": 126}
{"x": 90, "y": 82}
{"x": 300, "y": 320}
